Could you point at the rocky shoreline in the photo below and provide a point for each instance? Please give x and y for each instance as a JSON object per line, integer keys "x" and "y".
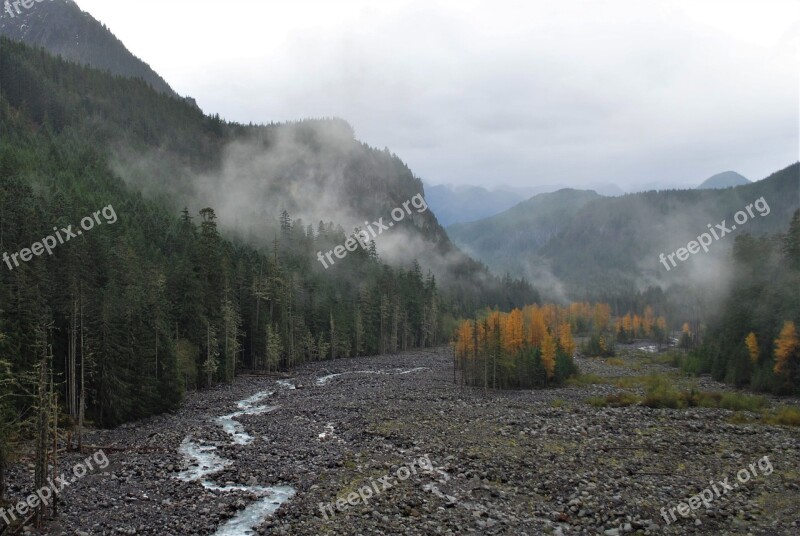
{"x": 517, "y": 462}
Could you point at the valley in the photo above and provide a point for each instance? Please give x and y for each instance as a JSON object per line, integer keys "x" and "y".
{"x": 514, "y": 462}
{"x": 399, "y": 268}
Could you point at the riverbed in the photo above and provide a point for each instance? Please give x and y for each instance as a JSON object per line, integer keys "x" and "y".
{"x": 260, "y": 457}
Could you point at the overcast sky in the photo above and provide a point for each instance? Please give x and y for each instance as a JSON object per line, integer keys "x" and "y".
{"x": 498, "y": 92}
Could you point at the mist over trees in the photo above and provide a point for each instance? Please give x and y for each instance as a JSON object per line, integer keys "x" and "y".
{"x": 127, "y": 318}
{"x": 753, "y": 340}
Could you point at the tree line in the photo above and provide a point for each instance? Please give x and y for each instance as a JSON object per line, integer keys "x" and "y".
{"x": 753, "y": 342}
{"x": 119, "y": 323}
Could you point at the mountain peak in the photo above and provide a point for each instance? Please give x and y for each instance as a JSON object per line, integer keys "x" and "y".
{"x": 726, "y": 179}
{"x": 63, "y": 29}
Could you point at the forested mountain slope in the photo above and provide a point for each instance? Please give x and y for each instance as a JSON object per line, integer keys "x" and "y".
{"x": 509, "y": 241}
{"x": 159, "y": 301}
{"x": 613, "y": 245}
{"x": 598, "y": 247}
{"x": 752, "y": 339}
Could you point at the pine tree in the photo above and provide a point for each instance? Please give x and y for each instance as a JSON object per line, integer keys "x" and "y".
{"x": 274, "y": 347}
{"x": 232, "y": 322}
{"x": 791, "y": 243}
{"x": 211, "y": 363}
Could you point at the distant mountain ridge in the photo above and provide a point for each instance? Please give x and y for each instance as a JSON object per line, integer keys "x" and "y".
{"x": 726, "y": 179}
{"x": 63, "y": 29}
{"x": 505, "y": 242}
{"x": 458, "y": 204}
{"x": 467, "y": 203}
{"x": 600, "y": 246}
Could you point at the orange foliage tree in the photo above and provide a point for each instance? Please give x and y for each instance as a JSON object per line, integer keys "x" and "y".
{"x": 565, "y": 339}
{"x": 787, "y": 347}
{"x": 752, "y": 346}
{"x": 549, "y": 355}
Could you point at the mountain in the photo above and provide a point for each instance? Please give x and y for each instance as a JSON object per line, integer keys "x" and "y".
{"x": 314, "y": 170}
{"x": 613, "y": 244}
{"x": 726, "y": 179}
{"x": 463, "y": 204}
{"x": 593, "y": 247}
{"x": 175, "y": 298}
{"x": 456, "y": 204}
{"x": 661, "y": 185}
{"x": 63, "y": 29}
{"x": 506, "y": 242}
{"x": 608, "y": 189}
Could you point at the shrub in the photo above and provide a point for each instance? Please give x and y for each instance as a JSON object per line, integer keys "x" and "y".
{"x": 586, "y": 379}
{"x": 741, "y": 402}
{"x": 660, "y": 394}
{"x": 786, "y": 416}
{"x": 616, "y": 400}
{"x": 621, "y": 400}
{"x": 599, "y": 346}
{"x": 597, "y": 401}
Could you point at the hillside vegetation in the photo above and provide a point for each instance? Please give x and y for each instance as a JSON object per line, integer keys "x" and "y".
{"x": 129, "y": 316}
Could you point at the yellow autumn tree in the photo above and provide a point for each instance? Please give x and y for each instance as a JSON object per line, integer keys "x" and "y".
{"x": 551, "y": 313}
{"x": 686, "y": 336}
{"x": 636, "y": 325}
{"x": 627, "y": 324}
{"x": 513, "y": 334}
{"x": 752, "y": 346}
{"x": 786, "y": 349}
{"x": 549, "y": 355}
{"x": 574, "y": 310}
{"x": 647, "y": 321}
{"x": 661, "y": 324}
{"x": 601, "y": 317}
{"x": 565, "y": 339}
{"x": 537, "y": 328}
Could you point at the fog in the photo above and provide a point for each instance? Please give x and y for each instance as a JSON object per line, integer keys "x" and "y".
{"x": 505, "y": 92}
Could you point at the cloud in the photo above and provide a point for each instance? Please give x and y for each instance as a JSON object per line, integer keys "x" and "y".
{"x": 511, "y": 92}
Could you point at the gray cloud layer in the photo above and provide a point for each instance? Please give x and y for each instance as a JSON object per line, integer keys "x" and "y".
{"x": 520, "y": 93}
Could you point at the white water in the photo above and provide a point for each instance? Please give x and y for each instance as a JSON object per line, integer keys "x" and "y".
{"x": 255, "y": 514}
{"x": 203, "y": 460}
{"x": 206, "y": 462}
{"x": 247, "y": 407}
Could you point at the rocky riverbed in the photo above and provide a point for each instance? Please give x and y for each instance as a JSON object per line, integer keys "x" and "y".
{"x": 520, "y": 462}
